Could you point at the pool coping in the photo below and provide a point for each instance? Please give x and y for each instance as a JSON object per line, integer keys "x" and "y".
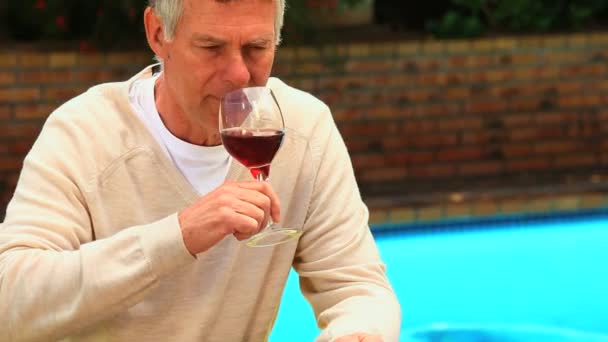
{"x": 457, "y": 209}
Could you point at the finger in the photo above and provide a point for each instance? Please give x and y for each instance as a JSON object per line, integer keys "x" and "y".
{"x": 242, "y": 237}
{"x": 244, "y": 226}
{"x": 254, "y": 197}
{"x": 266, "y": 189}
{"x": 253, "y": 211}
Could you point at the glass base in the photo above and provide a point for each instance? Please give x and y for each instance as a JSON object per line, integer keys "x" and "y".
{"x": 273, "y": 236}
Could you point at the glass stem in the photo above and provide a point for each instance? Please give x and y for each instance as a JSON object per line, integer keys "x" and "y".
{"x": 260, "y": 178}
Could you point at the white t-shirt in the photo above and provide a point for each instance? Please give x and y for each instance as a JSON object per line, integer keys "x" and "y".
{"x": 204, "y": 167}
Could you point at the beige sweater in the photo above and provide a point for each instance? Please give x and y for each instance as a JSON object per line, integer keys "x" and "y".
{"x": 91, "y": 248}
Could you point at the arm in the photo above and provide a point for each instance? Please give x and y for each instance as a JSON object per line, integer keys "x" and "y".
{"x": 54, "y": 278}
{"x": 57, "y": 278}
{"x": 341, "y": 273}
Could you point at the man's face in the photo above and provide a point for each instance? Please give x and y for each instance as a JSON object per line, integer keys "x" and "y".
{"x": 218, "y": 47}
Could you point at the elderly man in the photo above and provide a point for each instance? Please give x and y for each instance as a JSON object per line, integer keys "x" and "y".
{"x": 127, "y": 219}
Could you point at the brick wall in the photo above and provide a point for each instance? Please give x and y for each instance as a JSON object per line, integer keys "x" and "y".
{"x": 418, "y": 116}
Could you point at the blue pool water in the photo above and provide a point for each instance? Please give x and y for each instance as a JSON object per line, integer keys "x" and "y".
{"x": 469, "y": 281}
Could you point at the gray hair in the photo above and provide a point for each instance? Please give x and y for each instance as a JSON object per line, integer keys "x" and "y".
{"x": 170, "y": 12}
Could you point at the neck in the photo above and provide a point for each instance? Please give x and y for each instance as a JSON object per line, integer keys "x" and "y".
{"x": 201, "y": 132}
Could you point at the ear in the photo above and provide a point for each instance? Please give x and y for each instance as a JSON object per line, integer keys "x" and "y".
{"x": 154, "y": 33}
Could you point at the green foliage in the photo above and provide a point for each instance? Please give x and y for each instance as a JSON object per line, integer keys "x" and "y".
{"x": 102, "y": 21}
{"x": 118, "y": 22}
{"x": 469, "y": 18}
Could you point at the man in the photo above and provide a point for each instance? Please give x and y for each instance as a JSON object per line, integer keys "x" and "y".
{"x": 126, "y": 220}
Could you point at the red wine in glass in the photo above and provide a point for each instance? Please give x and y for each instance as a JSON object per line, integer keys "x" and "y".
{"x": 252, "y": 131}
{"x": 254, "y": 148}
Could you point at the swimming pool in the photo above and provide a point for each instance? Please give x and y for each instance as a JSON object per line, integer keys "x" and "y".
{"x": 544, "y": 272}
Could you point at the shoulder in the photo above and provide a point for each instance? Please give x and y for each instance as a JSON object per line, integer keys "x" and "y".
{"x": 93, "y": 130}
{"x": 104, "y": 109}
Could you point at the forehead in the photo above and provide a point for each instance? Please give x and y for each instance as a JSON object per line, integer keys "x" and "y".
{"x": 218, "y": 14}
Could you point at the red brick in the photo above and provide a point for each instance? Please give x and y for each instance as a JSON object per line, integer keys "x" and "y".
{"x": 5, "y": 111}
{"x": 475, "y": 137}
{"x": 33, "y": 111}
{"x": 458, "y": 61}
{"x": 384, "y": 174}
{"x": 567, "y": 88}
{"x": 543, "y": 119}
{"x": 10, "y": 164}
{"x": 347, "y": 114}
{"x": 355, "y": 146}
{"x": 564, "y": 57}
{"x": 482, "y": 137}
{"x": 8, "y": 59}
{"x": 282, "y": 69}
{"x": 441, "y": 109}
{"x": 580, "y": 159}
{"x": 33, "y": 59}
{"x": 420, "y": 126}
{"x": 433, "y": 170}
{"x": 19, "y": 148}
{"x": 91, "y": 59}
{"x": 499, "y": 75}
{"x": 119, "y": 58}
{"x": 425, "y": 79}
{"x": 390, "y": 112}
{"x": 313, "y": 68}
{"x": 429, "y": 64}
{"x": 556, "y": 146}
{"x": 456, "y": 154}
{"x": 513, "y": 151}
{"x": 537, "y": 74}
{"x": 481, "y": 168}
{"x": 440, "y": 140}
{"x": 480, "y": 61}
{"x": 578, "y": 71}
{"x": 452, "y": 79}
{"x": 460, "y": 124}
{"x": 485, "y": 107}
{"x": 7, "y": 77}
{"x": 395, "y": 143}
{"x": 526, "y": 59}
{"x": 13, "y": 95}
{"x": 407, "y": 158}
{"x": 367, "y": 161}
{"x": 45, "y": 76}
{"x": 508, "y": 92}
{"x": 457, "y": 93}
{"x": 63, "y": 59}
{"x": 61, "y": 94}
{"x": 355, "y": 66}
{"x": 377, "y": 128}
{"x": 523, "y": 105}
{"x": 579, "y": 101}
{"x": 93, "y": 76}
{"x": 528, "y": 164}
{"x": 420, "y": 95}
{"x": 517, "y": 120}
{"x": 20, "y": 130}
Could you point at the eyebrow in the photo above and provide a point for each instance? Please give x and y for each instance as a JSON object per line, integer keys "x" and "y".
{"x": 205, "y": 38}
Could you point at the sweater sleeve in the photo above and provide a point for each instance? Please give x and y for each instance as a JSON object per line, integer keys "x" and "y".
{"x": 55, "y": 277}
{"x": 341, "y": 273}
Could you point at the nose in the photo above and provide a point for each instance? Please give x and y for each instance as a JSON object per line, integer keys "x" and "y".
{"x": 236, "y": 71}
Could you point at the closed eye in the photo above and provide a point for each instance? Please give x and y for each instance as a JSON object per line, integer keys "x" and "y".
{"x": 211, "y": 47}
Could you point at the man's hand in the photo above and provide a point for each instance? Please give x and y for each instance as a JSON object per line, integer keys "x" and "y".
{"x": 238, "y": 208}
{"x": 360, "y": 337}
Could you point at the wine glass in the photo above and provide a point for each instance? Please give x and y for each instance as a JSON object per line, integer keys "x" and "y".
{"x": 252, "y": 131}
